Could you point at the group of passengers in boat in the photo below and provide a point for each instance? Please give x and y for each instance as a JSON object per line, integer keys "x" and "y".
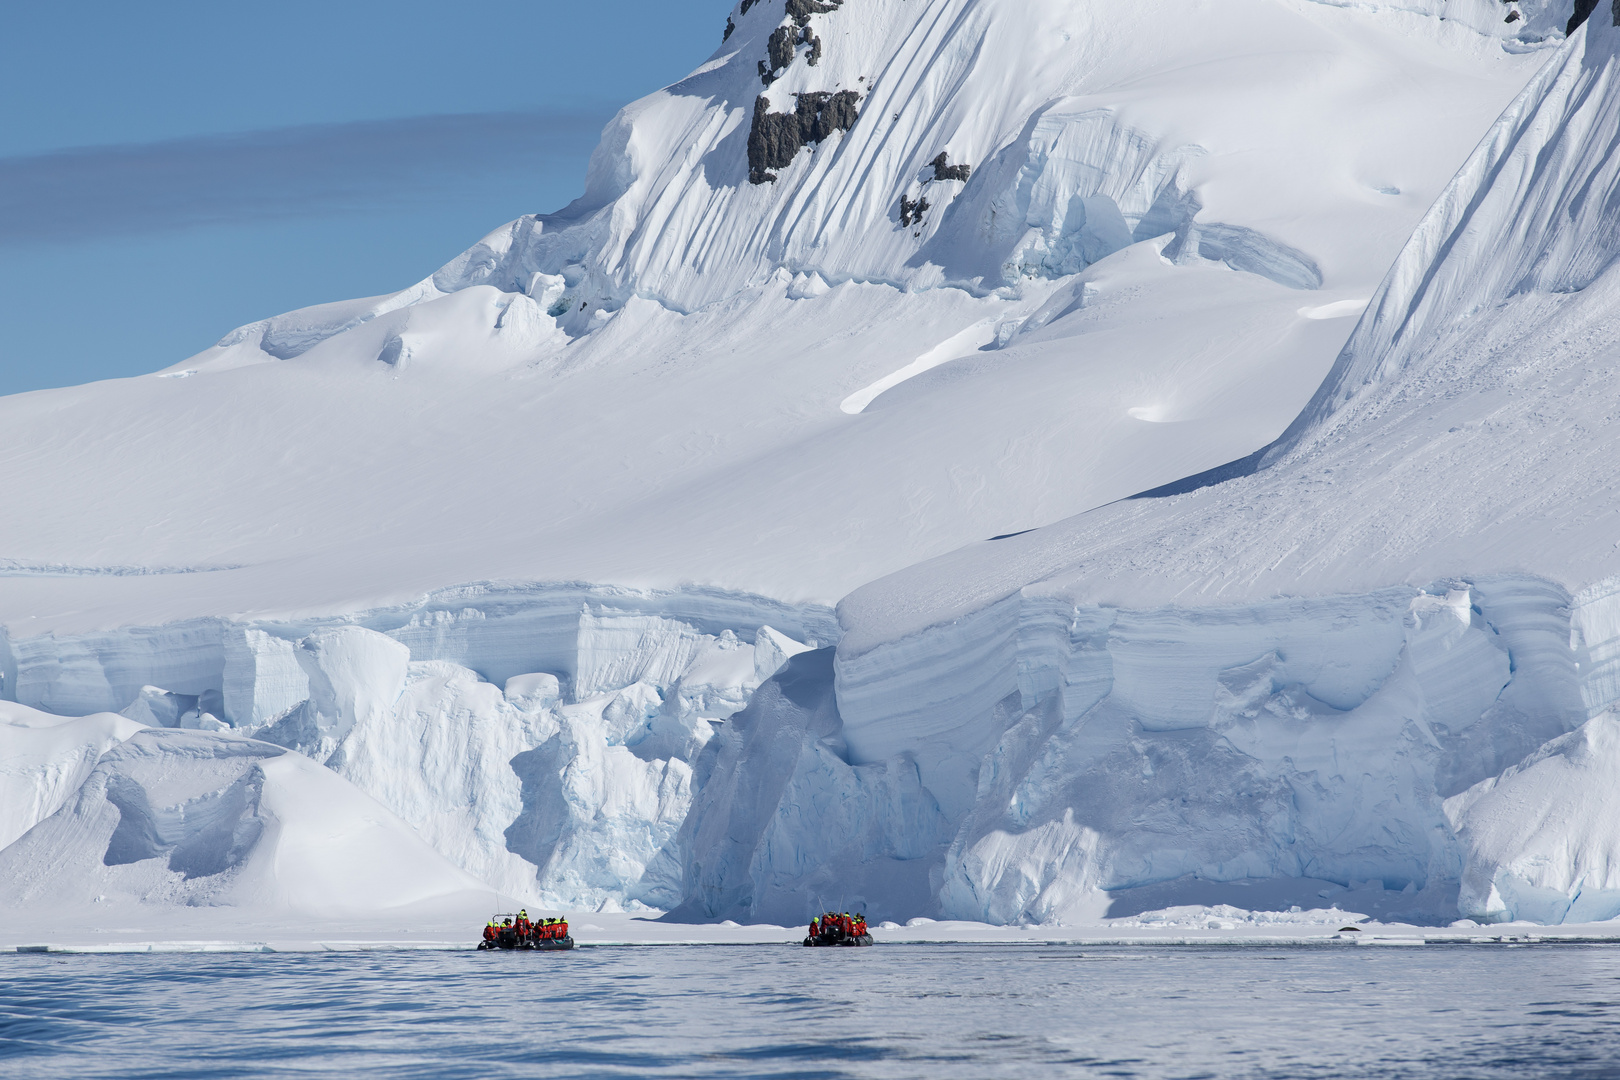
{"x": 526, "y": 930}
{"x": 838, "y": 924}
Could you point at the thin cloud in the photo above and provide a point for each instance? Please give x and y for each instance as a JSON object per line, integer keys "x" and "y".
{"x": 301, "y": 172}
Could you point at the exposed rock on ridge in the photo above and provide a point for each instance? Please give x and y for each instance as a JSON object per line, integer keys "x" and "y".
{"x": 944, "y": 171}
{"x": 776, "y": 138}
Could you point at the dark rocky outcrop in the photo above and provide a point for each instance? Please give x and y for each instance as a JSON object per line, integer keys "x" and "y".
{"x": 779, "y": 52}
{"x": 776, "y": 138}
{"x": 786, "y": 39}
{"x": 912, "y": 210}
{"x": 1583, "y": 11}
{"x": 801, "y": 10}
{"x": 731, "y": 28}
{"x": 944, "y": 171}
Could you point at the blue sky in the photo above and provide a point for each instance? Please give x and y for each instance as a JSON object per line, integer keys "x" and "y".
{"x": 170, "y": 171}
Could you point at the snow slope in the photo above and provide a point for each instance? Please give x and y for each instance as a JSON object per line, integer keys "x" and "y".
{"x": 660, "y": 431}
{"x": 707, "y": 329}
{"x": 44, "y": 759}
{"x": 1402, "y": 597}
{"x": 195, "y": 818}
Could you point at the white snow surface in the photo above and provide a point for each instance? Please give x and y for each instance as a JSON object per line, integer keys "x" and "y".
{"x": 678, "y": 420}
{"x": 44, "y": 760}
{"x": 537, "y": 556}
{"x": 172, "y": 817}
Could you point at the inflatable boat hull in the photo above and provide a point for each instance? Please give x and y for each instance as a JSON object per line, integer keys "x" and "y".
{"x": 837, "y": 943}
{"x": 548, "y": 945}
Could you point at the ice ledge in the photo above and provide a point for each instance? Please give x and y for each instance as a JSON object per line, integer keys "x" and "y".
{"x": 497, "y": 629}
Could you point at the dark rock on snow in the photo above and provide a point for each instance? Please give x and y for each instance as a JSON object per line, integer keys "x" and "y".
{"x": 801, "y": 10}
{"x": 776, "y": 138}
{"x": 779, "y": 53}
{"x": 942, "y": 171}
{"x": 912, "y": 210}
{"x": 1583, "y": 11}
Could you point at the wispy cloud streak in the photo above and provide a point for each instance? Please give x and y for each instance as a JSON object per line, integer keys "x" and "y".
{"x": 302, "y": 172}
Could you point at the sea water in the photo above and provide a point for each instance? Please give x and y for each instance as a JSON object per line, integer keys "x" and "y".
{"x": 935, "y": 1011}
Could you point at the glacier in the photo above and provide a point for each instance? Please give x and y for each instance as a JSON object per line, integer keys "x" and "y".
{"x": 636, "y": 560}
{"x": 1420, "y": 555}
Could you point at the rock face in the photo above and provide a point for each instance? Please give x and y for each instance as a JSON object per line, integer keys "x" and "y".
{"x": 1583, "y": 10}
{"x": 785, "y": 40}
{"x": 945, "y": 171}
{"x": 779, "y": 52}
{"x": 776, "y": 138}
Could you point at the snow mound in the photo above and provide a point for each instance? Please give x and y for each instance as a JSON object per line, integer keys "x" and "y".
{"x": 44, "y": 759}
{"x": 179, "y": 817}
{"x": 1542, "y": 840}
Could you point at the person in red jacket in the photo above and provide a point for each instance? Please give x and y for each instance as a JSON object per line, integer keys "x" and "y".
{"x": 489, "y": 931}
{"x": 524, "y": 926}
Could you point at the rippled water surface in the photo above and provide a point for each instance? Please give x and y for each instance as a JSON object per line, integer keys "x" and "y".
{"x": 897, "y": 1011}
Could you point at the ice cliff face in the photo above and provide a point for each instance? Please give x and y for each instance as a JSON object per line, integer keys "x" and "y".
{"x": 567, "y": 787}
{"x": 1540, "y": 839}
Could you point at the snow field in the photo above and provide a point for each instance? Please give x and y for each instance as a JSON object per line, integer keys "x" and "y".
{"x": 712, "y": 327}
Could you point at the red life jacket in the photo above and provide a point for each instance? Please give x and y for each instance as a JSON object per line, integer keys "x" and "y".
{"x": 489, "y": 933}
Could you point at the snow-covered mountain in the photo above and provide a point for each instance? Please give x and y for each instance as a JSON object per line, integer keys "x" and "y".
{"x": 1407, "y": 593}
{"x": 541, "y": 553}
